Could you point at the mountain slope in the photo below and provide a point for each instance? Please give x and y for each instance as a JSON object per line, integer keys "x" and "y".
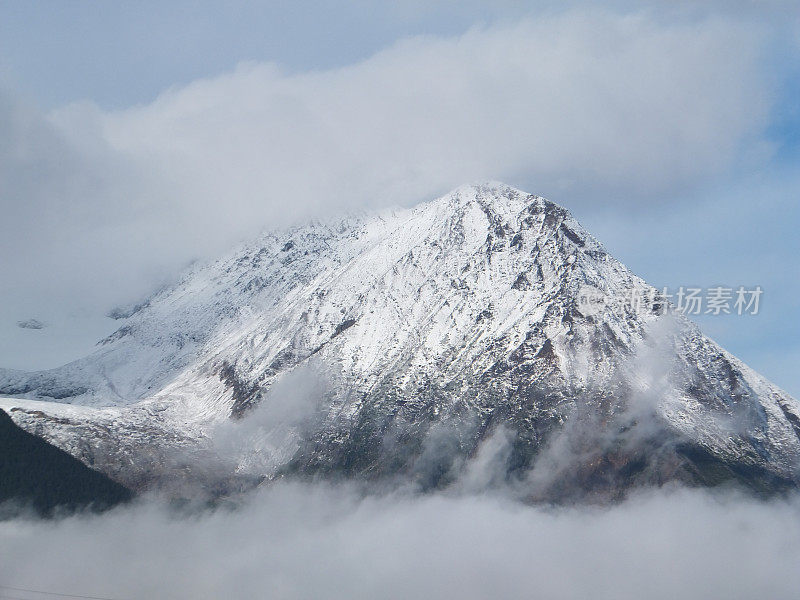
{"x": 35, "y": 474}
{"x": 397, "y": 344}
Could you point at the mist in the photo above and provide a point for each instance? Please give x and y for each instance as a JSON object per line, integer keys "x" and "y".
{"x": 317, "y": 541}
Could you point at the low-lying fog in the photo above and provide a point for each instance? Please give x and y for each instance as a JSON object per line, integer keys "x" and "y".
{"x": 315, "y": 541}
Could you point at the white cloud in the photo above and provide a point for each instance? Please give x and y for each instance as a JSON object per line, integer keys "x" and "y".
{"x": 97, "y": 206}
{"x": 313, "y": 541}
{"x": 582, "y": 99}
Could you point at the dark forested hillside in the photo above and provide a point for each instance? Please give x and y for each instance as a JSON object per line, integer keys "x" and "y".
{"x": 35, "y": 474}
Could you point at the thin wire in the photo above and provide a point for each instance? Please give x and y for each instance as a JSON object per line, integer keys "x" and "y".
{"x": 57, "y": 594}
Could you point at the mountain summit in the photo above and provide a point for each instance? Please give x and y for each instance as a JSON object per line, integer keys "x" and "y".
{"x": 418, "y": 345}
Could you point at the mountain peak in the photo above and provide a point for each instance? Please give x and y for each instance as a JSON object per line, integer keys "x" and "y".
{"x": 487, "y": 187}
{"x": 498, "y": 198}
{"x": 487, "y": 191}
{"x": 439, "y": 322}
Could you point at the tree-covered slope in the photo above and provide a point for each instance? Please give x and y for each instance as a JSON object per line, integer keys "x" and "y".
{"x": 35, "y": 474}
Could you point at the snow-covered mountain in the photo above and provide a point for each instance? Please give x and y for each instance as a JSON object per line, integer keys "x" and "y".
{"x": 413, "y": 344}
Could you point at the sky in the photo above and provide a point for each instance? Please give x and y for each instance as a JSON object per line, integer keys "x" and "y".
{"x": 137, "y": 137}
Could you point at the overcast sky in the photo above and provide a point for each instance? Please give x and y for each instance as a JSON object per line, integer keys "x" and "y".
{"x": 135, "y": 137}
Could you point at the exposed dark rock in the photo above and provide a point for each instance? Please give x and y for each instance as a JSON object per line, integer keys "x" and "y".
{"x": 572, "y": 236}
{"x": 346, "y": 324}
{"x": 245, "y": 395}
{"x": 521, "y": 282}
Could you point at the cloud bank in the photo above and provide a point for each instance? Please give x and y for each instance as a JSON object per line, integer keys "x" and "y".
{"x": 299, "y": 541}
{"x": 582, "y": 99}
{"x": 99, "y": 205}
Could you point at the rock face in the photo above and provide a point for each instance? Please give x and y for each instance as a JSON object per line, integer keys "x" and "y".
{"x": 413, "y": 345}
